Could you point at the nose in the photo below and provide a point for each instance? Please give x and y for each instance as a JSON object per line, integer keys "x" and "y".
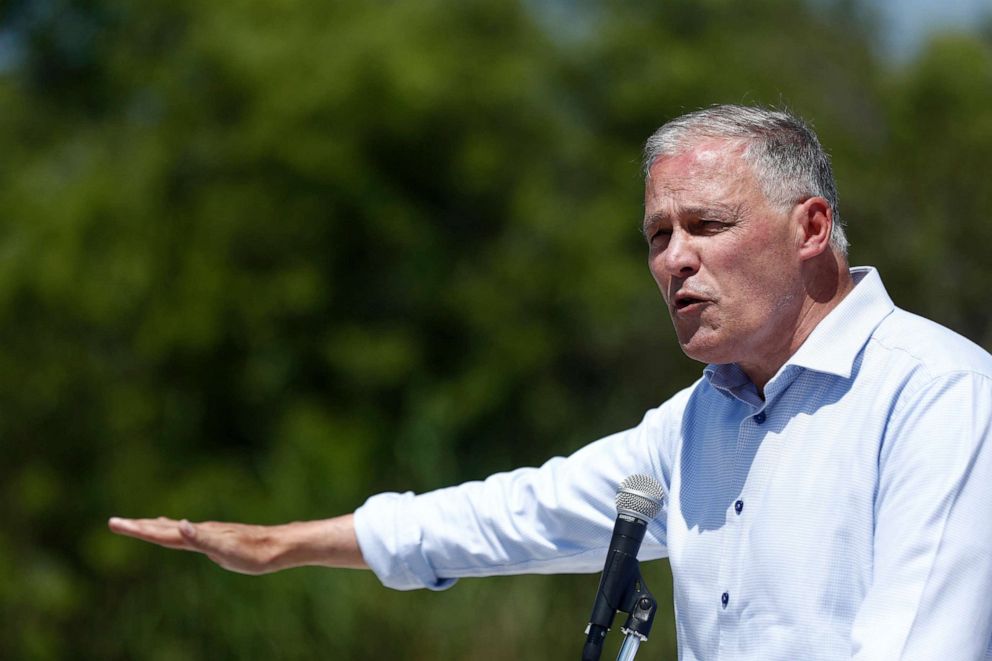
{"x": 680, "y": 257}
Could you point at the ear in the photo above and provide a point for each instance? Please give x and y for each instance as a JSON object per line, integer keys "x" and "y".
{"x": 814, "y": 219}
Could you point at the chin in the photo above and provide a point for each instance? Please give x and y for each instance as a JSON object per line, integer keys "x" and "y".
{"x": 695, "y": 354}
{"x": 706, "y": 352}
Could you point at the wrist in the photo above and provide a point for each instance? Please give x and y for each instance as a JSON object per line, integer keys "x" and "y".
{"x": 325, "y": 543}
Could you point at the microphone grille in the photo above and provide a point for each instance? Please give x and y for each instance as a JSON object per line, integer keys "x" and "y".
{"x": 640, "y": 496}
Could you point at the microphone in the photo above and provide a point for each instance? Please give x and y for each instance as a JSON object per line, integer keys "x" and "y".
{"x": 638, "y": 500}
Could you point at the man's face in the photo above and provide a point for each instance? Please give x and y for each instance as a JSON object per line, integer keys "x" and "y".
{"x": 724, "y": 258}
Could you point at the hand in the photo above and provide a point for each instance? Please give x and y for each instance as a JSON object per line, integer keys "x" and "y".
{"x": 252, "y": 549}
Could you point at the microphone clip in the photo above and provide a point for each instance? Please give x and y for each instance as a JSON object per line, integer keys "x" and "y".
{"x": 641, "y": 608}
{"x": 633, "y": 597}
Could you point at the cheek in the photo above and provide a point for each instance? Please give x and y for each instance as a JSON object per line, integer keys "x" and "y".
{"x": 768, "y": 291}
{"x": 750, "y": 290}
{"x": 658, "y": 274}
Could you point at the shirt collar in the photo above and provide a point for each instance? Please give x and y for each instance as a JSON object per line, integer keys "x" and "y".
{"x": 836, "y": 341}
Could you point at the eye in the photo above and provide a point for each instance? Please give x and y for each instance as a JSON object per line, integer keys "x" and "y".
{"x": 660, "y": 237}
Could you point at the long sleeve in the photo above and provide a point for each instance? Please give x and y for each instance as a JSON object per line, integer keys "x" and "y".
{"x": 552, "y": 519}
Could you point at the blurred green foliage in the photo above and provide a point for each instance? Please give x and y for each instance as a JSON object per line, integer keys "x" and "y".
{"x": 259, "y": 260}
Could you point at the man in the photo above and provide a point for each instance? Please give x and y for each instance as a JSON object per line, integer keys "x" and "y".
{"x": 828, "y": 477}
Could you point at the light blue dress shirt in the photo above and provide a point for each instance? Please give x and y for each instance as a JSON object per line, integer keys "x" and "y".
{"x": 848, "y": 514}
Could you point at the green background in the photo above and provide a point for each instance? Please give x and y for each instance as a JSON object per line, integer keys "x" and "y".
{"x": 259, "y": 260}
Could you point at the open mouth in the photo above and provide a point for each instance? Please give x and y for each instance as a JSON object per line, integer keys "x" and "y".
{"x": 682, "y": 302}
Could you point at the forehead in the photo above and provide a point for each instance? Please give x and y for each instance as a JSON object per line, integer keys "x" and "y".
{"x": 710, "y": 172}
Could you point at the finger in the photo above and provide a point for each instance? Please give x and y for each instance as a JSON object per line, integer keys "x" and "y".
{"x": 214, "y": 541}
{"x": 208, "y": 537}
{"x": 162, "y": 531}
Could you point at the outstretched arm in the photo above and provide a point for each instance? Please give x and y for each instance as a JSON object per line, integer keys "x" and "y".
{"x": 252, "y": 549}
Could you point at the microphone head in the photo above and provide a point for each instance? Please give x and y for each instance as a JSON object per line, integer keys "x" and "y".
{"x": 640, "y": 496}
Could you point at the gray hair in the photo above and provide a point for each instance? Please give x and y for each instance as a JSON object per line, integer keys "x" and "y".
{"x": 781, "y": 149}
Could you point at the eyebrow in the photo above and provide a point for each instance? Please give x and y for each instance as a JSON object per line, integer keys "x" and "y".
{"x": 716, "y": 211}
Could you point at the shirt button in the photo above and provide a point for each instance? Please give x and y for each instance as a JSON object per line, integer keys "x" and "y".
{"x": 725, "y": 599}
{"x": 760, "y": 417}
{"x": 738, "y": 506}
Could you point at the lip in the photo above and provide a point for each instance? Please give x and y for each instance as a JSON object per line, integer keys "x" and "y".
{"x": 688, "y": 302}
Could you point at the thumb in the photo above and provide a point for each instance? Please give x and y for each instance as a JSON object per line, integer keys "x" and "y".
{"x": 188, "y": 531}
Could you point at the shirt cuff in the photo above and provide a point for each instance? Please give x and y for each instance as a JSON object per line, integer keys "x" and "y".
{"x": 389, "y": 537}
